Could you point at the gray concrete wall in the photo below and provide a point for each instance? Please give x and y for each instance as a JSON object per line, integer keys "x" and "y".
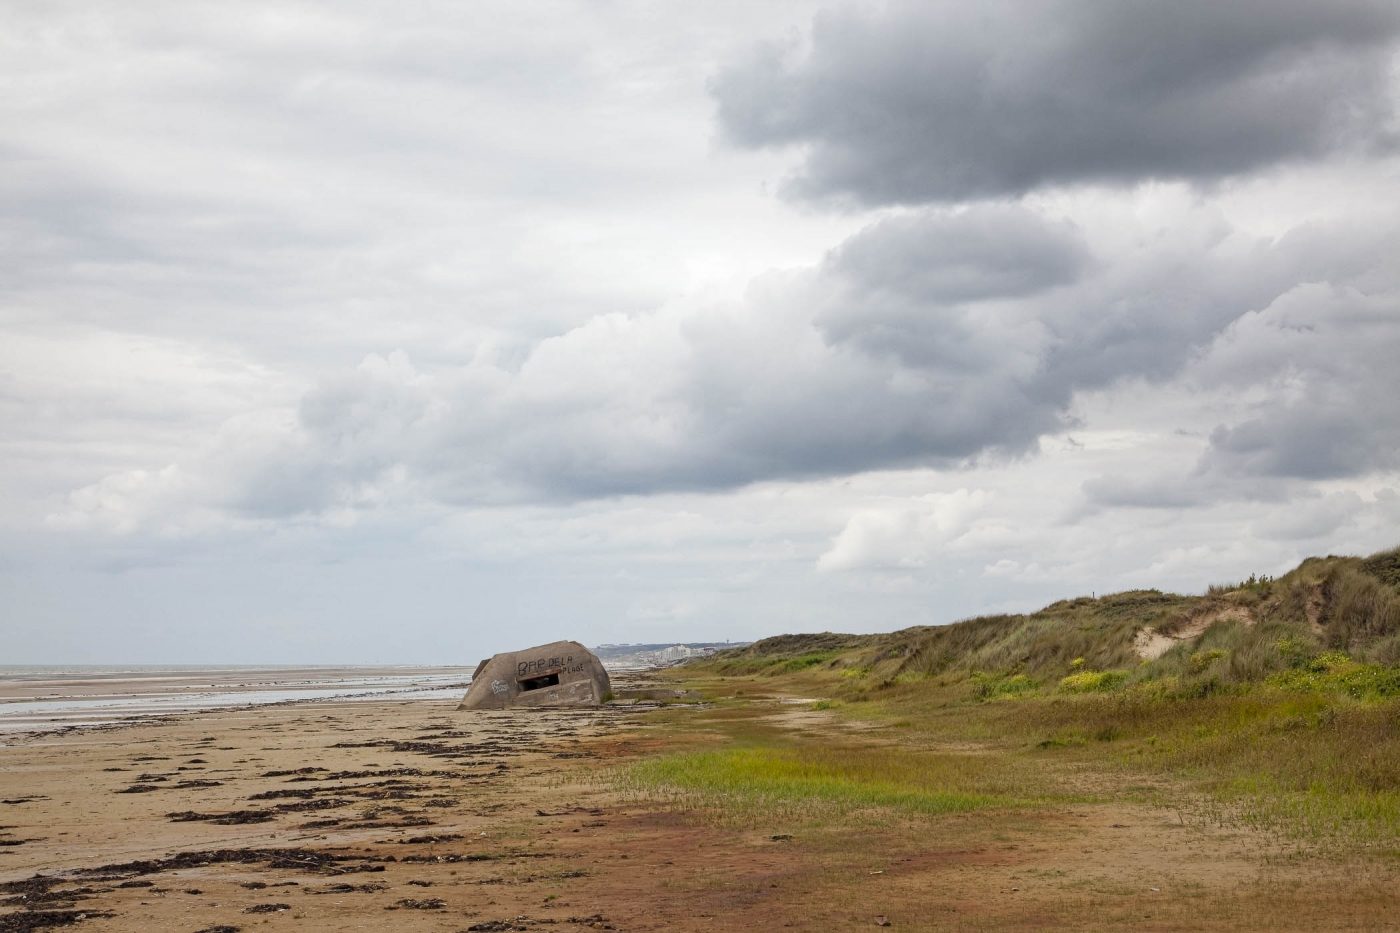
{"x": 561, "y": 673}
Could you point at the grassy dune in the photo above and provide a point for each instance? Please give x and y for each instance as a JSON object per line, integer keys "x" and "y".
{"x": 1272, "y": 704}
{"x": 1332, "y": 610}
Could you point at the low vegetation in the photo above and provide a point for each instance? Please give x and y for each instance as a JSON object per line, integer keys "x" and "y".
{"x": 815, "y": 782}
{"x": 1275, "y": 702}
{"x": 1235, "y": 634}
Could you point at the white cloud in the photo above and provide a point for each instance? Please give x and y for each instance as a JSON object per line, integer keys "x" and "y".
{"x": 315, "y": 320}
{"x": 905, "y": 534}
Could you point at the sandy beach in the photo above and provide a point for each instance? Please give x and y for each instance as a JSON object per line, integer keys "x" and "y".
{"x": 304, "y": 816}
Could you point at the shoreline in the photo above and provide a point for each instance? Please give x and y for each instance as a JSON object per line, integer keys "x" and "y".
{"x": 18, "y": 737}
{"x": 46, "y": 702}
{"x": 32, "y": 683}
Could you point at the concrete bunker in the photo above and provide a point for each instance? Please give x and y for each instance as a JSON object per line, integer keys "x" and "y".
{"x": 561, "y": 673}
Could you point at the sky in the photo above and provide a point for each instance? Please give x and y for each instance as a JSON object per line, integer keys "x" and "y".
{"x": 368, "y": 332}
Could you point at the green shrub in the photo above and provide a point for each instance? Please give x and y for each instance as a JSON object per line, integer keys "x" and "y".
{"x": 992, "y": 686}
{"x": 1335, "y": 672}
{"x": 1294, "y": 650}
{"x": 803, "y": 661}
{"x": 1093, "y": 681}
{"x": 1204, "y": 659}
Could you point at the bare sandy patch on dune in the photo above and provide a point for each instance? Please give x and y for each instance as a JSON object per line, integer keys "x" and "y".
{"x": 1150, "y": 644}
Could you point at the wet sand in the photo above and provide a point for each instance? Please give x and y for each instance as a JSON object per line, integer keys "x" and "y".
{"x": 22, "y": 684}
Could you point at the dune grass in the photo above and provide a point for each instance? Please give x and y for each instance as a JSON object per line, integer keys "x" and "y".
{"x": 1279, "y": 706}
{"x": 1234, "y": 634}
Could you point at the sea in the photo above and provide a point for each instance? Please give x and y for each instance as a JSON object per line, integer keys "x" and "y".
{"x": 46, "y": 698}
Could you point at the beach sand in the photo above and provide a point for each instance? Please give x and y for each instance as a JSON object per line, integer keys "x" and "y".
{"x": 326, "y": 816}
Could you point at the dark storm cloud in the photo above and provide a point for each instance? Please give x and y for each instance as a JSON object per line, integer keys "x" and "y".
{"x": 1003, "y": 288}
{"x": 915, "y": 342}
{"x": 999, "y": 315}
{"x": 928, "y": 102}
{"x": 1328, "y": 354}
{"x": 920, "y": 286}
{"x": 986, "y": 253}
{"x": 1151, "y": 492}
{"x": 1305, "y": 441}
{"x": 929, "y": 338}
{"x": 1314, "y": 373}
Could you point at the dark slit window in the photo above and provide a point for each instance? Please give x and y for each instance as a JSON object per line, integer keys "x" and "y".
{"x": 535, "y": 683}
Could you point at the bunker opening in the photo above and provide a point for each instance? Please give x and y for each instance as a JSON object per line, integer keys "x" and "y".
{"x": 537, "y": 683}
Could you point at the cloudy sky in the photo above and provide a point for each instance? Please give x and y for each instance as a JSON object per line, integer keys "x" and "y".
{"x": 407, "y": 332}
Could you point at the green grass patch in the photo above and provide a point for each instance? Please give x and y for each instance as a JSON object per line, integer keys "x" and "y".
{"x": 999, "y": 686}
{"x": 817, "y": 782}
{"x": 804, "y": 661}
